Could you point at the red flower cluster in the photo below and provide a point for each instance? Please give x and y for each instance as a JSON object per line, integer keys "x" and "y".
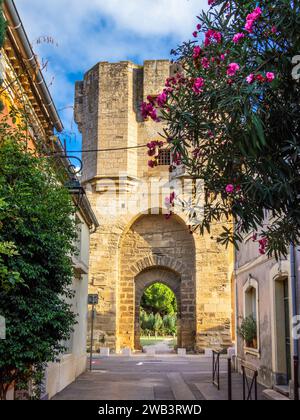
{"x": 212, "y": 35}
{"x": 231, "y": 189}
{"x": 169, "y": 202}
{"x": 176, "y": 159}
{"x": 148, "y": 110}
{"x": 268, "y": 78}
{"x": 252, "y": 18}
{"x": 153, "y": 148}
{"x": 263, "y": 243}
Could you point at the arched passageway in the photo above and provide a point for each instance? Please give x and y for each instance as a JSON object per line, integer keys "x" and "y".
{"x": 156, "y": 250}
{"x": 142, "y": 282}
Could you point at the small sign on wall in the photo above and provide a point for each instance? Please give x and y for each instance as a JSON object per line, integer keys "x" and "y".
{"x": 93, "y": 299}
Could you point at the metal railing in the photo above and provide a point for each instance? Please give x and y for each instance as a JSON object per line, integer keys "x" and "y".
{"x": 249, "y": 383}
{"x": 216, "y": 369}
{"x": 229, "y": 379}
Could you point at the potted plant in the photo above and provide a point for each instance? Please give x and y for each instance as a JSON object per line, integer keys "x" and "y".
{"x": 248, "y": 330}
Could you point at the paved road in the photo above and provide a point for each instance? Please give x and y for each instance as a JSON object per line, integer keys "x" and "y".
{"x": 163, "y": 377}
{"x": 163, "y": 347}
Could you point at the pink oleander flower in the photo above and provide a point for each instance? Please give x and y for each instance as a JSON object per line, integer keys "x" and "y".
{"x": 211, "y": 2}
{"x": 238, "y": 37}
{"x": 222, "y": 57}
{"x": 169, "y": 201}
{"x": 197, "y": 153}
{"x": 217, "y": 37}
{"x": 270, "y": 77}
{"x": 198, "y": 85}
{"x": 260, "y": 78}
{"x": 263, "y": 243}
{"x": 230, "y": 189}
{"x": 249, "y": 26}
{"x": 252, "y": 18}
{"x": 257, "y": 13}
{"x": 195, "y": 34}
{"x": 162, "y": 99}
{"x": 197, "y": 52}
{"x": 199, "y": 27}
{"x": 151, "y": 152}
{"x": 232, "y": 69}
{"x": 148, "y": 110}
{"x": 151, "y": 164}
{"x": 207, "y": 42}
{"x": 169, "y": 216}
{"x": 210, "y": 35}
{"x": 250, "y": 79}
{"x": 176, "y": 159}
{"x": 273, "y": 30}
{"x": 205, "y": 63}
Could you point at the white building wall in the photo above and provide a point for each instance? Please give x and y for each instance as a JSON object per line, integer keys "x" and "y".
{"x": 60, "y": 375}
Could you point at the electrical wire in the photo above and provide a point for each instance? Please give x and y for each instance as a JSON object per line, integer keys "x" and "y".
{"x": 101, "y": 150}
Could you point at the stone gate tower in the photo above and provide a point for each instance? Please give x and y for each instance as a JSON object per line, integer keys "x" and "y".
{"x": 135, "y": 245}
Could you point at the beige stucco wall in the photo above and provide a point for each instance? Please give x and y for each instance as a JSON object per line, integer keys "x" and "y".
{"x": 268, "y": 359}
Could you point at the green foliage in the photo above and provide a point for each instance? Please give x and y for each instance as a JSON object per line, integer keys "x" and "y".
{"x": 158, "y": 323}
{"x": 37, "y": 234}
{"x": 248, "y": 330}
{"x": 170, "y": 324}
{"x": 154, "y": 324}
{"x": 8, "y": 277}
{"x": 2, "y": 38}
{"x": 159, "y": 298}
{"x": 239, "y": 133}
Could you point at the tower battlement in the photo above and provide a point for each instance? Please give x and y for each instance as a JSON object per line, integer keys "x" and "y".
{"x": 107, "y": 111}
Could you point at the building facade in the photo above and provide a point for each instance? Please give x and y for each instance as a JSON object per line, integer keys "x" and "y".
{"x": 268, "y": 290}
{"x": 24, "y": 88}
{"x": 73, "y": 363}
{"x": 136, "y": 246}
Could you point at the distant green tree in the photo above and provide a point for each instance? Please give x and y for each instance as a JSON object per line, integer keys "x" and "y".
{"x": 37, "y": 234}
{"x": 158, "y": 323}
{"x": 170, "y": 324}
{"x": 159, "y": 298}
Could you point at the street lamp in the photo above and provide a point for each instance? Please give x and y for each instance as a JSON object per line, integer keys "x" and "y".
{"x": 75, "y": 189}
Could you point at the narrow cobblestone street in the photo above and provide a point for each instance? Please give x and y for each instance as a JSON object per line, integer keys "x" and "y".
{"x": 163, "y": 377}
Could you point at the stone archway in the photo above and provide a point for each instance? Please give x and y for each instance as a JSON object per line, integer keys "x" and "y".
{"x": 156, "y": 250}
{"x": 144, "y": 280}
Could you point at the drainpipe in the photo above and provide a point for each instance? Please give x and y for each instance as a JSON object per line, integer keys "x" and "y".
{"x": 294, "y": 279}
{"x": 18, "y": 31}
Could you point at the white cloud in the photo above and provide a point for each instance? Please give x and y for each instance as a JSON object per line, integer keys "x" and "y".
{"x": 103, "y": 30}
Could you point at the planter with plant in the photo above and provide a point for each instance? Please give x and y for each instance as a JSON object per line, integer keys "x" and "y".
{"x": 248, "y": 330}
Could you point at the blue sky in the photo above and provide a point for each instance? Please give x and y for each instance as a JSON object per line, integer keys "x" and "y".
{"x": 85, "y": 33}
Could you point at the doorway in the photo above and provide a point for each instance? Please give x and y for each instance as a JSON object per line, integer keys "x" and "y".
{"x": 283, "y": 331}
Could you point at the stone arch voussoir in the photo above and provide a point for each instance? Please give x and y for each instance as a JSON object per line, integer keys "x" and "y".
{"x": 158, "y": 261}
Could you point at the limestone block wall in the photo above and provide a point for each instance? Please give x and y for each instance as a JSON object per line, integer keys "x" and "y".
{"x": 154, "y": 243}
{"x": 134, "y": 243}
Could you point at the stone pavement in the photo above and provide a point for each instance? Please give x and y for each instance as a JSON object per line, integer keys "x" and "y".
{"x": 140, "y": 377}
{"x": 163, "y": 347}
